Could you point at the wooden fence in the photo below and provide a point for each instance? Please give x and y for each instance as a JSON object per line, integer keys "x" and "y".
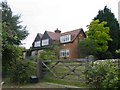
{"x": 71, "y": 70}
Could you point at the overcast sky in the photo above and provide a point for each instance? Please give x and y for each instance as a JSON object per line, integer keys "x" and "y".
{"x": 66, "y": 15}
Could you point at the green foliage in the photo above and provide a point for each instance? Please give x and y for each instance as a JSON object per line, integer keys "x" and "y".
{"x": 102, "y": 74}
{"x": 47, "y": 55}
{"x": 100, "y": 34}
{"x": 112, "y": 23}
{"x": 51, "y": 52}
{"x": 12, "y": 34}
{"x": 97, "y": 41}
{"x": 118, "y": 53}
{"x": 10, "y": 53}
{"x": 20, "y": 71}
{"x": 87, "y": 47}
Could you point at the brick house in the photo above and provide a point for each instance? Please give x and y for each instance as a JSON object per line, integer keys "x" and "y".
{"x": 68, "y": 42}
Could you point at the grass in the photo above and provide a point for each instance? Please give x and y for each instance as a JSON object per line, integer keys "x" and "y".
{"x": 64, "y": 82}
{"x": 60, "y": 70}
{"x": 40, "y": 84}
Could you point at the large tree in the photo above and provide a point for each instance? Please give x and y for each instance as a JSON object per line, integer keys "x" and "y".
{"x": 112, "y": 23}
{"x": 97, "y": 40}
{"x": 12, "y": 34}
{"x": 100, "y": 34}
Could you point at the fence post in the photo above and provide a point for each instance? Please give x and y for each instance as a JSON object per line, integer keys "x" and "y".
{"x": 39, "y": 69}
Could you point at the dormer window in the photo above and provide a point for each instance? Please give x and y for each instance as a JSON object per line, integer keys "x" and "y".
{"x": 37, "y": 44}
{"x": 45, "y": 42}
{"x": 65, "y": 38}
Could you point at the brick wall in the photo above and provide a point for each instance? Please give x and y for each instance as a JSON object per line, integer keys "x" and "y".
{"x": 73, "y": 46}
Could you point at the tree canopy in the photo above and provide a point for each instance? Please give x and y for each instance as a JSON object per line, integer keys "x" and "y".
{"x": 12, "y": 34}
{"x": 87, "y": 47}
{"x": 100, "y": 34}
{"x": 97, "y": 40}
{"x": 112, "y": 23}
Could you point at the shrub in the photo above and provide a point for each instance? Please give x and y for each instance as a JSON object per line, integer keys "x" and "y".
{"x": 20, "y": 71}
{"x": 10, "y": 53}
{"x": 47, "y": 55}
{"x": 103, "y": 74}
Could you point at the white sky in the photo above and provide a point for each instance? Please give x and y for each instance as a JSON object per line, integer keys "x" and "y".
{"x": 66, "y": 15}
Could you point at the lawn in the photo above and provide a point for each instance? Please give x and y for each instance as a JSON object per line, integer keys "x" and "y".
{"x": 59, "y": 70}
{"x": 30, "y": 85}
{"x": 71, "y": 79}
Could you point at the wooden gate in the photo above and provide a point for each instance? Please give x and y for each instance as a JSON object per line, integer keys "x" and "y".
{"x": 71, "y": 70}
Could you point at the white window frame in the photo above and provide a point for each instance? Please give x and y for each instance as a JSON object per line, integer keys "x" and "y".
{"x": 45, "y": 42}
{"x": 64, "y": 53}
{"x": 65, "y": 38}
{"x": 37, "y": 44}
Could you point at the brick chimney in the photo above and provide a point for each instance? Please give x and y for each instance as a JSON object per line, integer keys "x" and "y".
{"x": 57, "y": 31}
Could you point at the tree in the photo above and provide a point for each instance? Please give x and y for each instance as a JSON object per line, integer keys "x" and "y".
{"x": 12, "y": 34}
{"x": 100, "y": 35}
{"x": 112, "y": 23}
{"x": 87, "y": 47}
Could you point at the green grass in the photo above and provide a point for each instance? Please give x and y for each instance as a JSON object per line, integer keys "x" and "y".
{"x": 49, "y": 78}
{"x": 64, "y": 82}
{"x": 41, "y": 84}
{"x": 60, "y": 70}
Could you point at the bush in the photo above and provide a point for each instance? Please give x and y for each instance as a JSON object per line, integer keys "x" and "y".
{"x": 103, "y": 74}
{"x": 20, "y": 71}
{"x": 10, "y": 53}
{"x": 47, "y": 55}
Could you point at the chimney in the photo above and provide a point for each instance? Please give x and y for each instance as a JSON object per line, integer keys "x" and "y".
{"x": 57, "y": 31}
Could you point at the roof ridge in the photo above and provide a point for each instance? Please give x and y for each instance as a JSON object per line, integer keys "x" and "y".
{"x": 72, "y": 30}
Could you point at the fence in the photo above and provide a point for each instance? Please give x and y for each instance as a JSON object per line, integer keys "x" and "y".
{"x": 70, "y": 70}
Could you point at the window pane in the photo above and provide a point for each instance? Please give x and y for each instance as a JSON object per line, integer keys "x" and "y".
{"x": 65, "y": 38}
{"x": 37, "y": 44}
{"x": 64, "y": 53}
{"x": 45, "y": 42}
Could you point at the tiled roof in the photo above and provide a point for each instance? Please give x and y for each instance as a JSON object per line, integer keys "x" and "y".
{"x": 53, "y": 35}
{"x": 56, "y": 36}
{"x": 73, "y": 33}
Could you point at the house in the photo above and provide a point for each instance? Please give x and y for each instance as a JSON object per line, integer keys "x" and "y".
{"x": 69, "y": 43}
{"x": 50, "y": 37}
{"x": 36, "y": 45}
{"x": 43, "y": 41}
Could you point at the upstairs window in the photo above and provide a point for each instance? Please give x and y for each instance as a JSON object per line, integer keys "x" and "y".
{"x": 37, "y": 44}
{"x": 65, "y": 38}
{"x": 45, "y": 42}
{"x": 64, "y": 53}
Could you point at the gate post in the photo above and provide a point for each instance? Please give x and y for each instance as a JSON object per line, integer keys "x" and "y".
{"x": 39, "y": 69}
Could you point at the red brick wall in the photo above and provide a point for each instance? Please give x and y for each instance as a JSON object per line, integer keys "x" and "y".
{"x": 73, "y": 47}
